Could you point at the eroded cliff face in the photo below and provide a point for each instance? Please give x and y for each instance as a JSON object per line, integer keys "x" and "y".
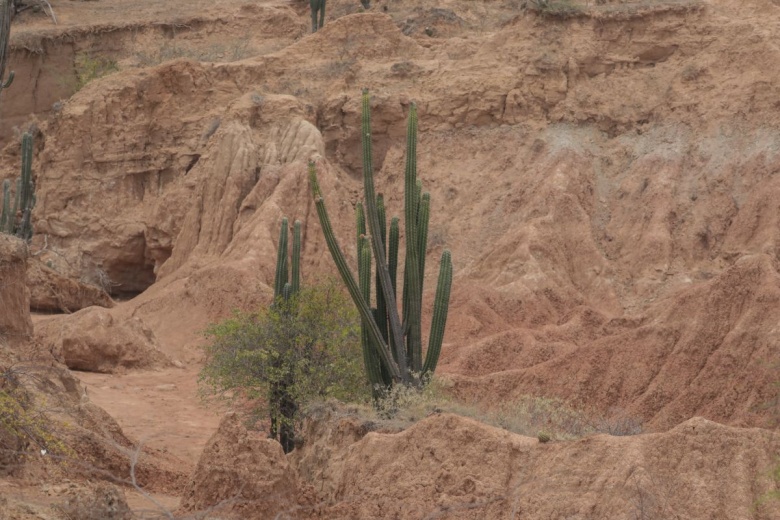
{"x": 589, "y": 175}
{"x": 15, "y": 322}
{"x": 451, "y": 466}
{"x": 605, "y": 181}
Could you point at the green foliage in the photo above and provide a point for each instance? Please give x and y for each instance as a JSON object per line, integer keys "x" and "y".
{"x": 89, "y": 68}
{"x": 22, "y": 421}
{"x": 16, "y": 219}
{"x": 392, "y": 344}
{"x": 311, "y": 338}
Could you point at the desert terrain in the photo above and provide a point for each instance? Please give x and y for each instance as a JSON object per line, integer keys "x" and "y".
{"x": 605, "y": 174}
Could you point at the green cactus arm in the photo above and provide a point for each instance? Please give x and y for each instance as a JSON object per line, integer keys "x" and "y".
{"x": 349, "y": 280}
{"x": 392, "y": 260}
{"x": 440, "y": 307}
{"x": 360, "y": 220}
{"x": 27, "y": 152}
{"x": 5, "y": 215}
{"x": 5, "y": 34}
{"x": 26, "y": 196}
{"x": 423, "y": 219}
{"x": 287, "y": 291}
{"x": 412, "y": 296}
{"x": 381, "y": 305}
{"x": 370, "y": 357}
{"x": 16, "y": 206}
{"x": 281, "y": 261}
{"x": 372, "y": 216}
{"x": 296, "y": 257}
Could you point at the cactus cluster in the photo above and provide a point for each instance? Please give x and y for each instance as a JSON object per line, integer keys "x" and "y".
{"x": 392, "y": 342}
{"x": 5, "y": 33}
{"x": 16, "y": 219}
{"x": 286, "y": 284}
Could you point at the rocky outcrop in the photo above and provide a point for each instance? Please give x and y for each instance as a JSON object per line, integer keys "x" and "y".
{"x": 241, "y": 475}
{"x": 52, "y": 291}
{"x": 92, "y": 340}
{"x": 451, "y": 466}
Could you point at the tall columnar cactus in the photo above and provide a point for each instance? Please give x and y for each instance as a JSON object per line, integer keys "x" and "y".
{"x": 317, "y": 7}
{"x": 5, "y": 33}
{"x": 286, "y": 285}
{"x": 11, "y": 221}
{"x": 392, "y": 344}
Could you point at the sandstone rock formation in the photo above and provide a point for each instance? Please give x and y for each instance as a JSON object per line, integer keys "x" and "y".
{"x": 92, "y": 340}
{"x": 241, "y": 475}
{"x": 15, "y": 323}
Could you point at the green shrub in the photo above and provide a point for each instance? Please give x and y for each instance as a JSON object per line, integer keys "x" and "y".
{"x": 309, "y": 344}
{"x": 89, "y": 67}
{"x": 24, "y": 425}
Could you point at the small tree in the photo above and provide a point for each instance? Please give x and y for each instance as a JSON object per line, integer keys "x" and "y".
{"x": 308, "y": 345}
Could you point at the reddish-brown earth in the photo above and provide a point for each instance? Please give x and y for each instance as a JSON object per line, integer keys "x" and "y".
{"x": 606, "y": 182}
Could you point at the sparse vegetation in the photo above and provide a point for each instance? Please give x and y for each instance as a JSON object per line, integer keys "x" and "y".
{"x": 308, "y": 343}
{"x": 402, "y": 406}
{"x": 23, "y": 426}
{"x": 90, "y": 67}
{"x": 234, "y": 50}
{"x": 556, "y": 8}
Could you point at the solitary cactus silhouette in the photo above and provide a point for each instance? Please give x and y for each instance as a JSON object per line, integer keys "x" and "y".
{"x": 317, "y": 6}
{"x": 5, "y": 33}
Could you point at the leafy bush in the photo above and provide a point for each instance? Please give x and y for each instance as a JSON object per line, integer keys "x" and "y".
{"x": 24, "y": 427}
{"x": 89, "y": 67}
{"x": 309, "y": 345}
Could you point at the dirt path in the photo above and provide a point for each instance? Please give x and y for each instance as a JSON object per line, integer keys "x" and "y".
{"x": 158, "y": 408}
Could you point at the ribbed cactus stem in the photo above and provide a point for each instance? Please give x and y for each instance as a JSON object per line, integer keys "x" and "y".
{"x": 360, "y": 223}
{"x": 423, "y": 218}
{"x": 287, "y": 291}
{"x": 281, "y": 261}
{"x": 440, "y": 307}
{"x": 27, "y": 187}
{"x": 372, "y": 217}
{"x": 25, "y": 196}
{"x": 5, "y": 34}
{"x": 412, "y": 311}
{"x": 5, "y": 216}
{"x": 16, "y": 206}
{"x": 381, "y": 305}
{"x": 370, "y": 356}
{"x": 392, "y": 260}
{"x": 349, "y": 280}
{"x": 296, "y": 258}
